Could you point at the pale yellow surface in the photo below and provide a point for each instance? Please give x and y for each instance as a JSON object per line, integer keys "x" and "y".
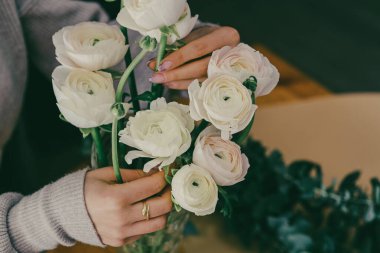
{"x": 342, "y": 133}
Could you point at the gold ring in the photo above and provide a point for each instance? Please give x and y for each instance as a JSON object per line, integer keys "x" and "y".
{"x": 145, "y": 211}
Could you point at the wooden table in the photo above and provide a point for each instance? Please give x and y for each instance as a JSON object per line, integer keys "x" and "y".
{"x": 293, "y": 86}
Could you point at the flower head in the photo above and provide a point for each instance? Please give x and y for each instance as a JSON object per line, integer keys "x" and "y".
{"x": 84, "y": 97}
{"x": 222, "y": 158}
{"x": 223, "y": 101}
{"x": 162, "y": 133}
{"x": 90, "y": 45}
{"x": 242, "y": 62}
{"x": 194, "y": 189}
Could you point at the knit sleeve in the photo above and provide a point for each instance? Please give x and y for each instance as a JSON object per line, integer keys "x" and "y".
{"x": 54, "y": 215}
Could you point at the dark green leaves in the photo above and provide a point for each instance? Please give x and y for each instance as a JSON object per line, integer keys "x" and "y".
{"x": 147, "y": 96}
{"x": 286, "y": 208}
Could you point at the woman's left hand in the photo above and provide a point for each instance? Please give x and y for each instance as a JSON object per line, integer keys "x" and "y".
{"x": 190, "y": 62}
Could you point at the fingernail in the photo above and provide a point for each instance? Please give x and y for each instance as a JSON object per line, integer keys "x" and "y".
{"x": 150, "y": 60}
{"x": 157, "y": 78}
{"x": 165, "y": 66}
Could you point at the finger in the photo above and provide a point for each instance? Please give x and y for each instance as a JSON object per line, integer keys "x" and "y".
{"x": 145, "y": 227}
{"x": 158, "y": 206}
{"x": 142, "y": 188}
{"x": 189, "y": 71}
{"x": 195, "y": 34}
{"x": 182, "y": 84}
{"x": 224, "y": 36}
{"x": 200, "y": 32}
{"x": 107, "y": 174}
{"x": 132, "y": 239}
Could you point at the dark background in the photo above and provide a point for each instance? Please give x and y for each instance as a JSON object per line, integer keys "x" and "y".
{"x": 335, "y": 42}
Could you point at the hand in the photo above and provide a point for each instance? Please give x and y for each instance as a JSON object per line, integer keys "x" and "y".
{"x": 190, "y": 62}
{"x": 115, "y": 209}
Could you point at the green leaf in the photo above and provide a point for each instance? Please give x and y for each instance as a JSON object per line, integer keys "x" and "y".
{"x": 174, "y": 171}
{"x": 168, "y": 176}
{"x": 176, "y": 206}
{"x": 148, "y": 96}
{"x": 115, "y": 74}
{"x": 61, "y": 117}
{"x": 349, "y": 181}
{"x": 226, "y": 209}
{"x": 85, "y": 131}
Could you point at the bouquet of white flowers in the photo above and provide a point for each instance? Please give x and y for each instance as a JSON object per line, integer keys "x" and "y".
{"x": 198, "y": 159}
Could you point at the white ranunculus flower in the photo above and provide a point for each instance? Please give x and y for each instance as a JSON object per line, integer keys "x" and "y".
{"x": 162, "y": 133}
{"x": 222, "y": 158}
{"x": 148, "y": 15}
{"x": 84, "y": 97}
{"x": 224, "y": 101}
{"x": 90, "y": 45}
{"x": 183, "y": 27}
{"x": 194, "y": 189}
{"x": 242, "y": 62}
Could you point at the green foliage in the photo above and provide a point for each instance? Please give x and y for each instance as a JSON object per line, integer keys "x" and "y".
{"x": 286, "y": 208}
{"x": 226, "y": 202}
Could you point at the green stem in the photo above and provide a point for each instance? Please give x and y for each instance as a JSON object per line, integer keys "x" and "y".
{"x": 131, "y": 77}
{"x": 119, "y": 99}
{"x": 160, "y": 55}
{"x": 101, "y": 158}
{"x": 127, "y": 73}
{"x": 115, "y": 156}
{"x": 240, "y": 137}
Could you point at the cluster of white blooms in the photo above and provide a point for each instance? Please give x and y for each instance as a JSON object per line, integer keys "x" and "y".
{"x": 224, "y": 101}
{"x": 85, "y": 95}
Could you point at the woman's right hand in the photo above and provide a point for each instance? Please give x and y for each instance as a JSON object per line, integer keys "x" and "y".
{"x": 116, "y": 209}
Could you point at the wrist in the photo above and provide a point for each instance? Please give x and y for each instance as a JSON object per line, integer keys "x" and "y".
{"x": 54, "y": 215}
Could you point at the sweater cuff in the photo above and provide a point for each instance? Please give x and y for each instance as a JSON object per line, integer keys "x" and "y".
{"x": 54, "y": 215}
{"x": 7, "y": 201}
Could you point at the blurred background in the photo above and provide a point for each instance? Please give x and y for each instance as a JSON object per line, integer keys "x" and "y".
{"x": 320, "y": 47}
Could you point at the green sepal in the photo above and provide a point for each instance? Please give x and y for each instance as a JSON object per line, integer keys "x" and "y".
{"x": 148, "y": 43}
{"x": 85, "y": 131}
{"x": 61, "y": 117}
{"x": 176, "y": 206}
{"x": 169, "y": 30}
{"x": 168, "y": 177}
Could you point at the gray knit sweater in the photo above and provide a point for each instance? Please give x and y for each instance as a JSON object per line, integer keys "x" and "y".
{"x": 56, "y": 214}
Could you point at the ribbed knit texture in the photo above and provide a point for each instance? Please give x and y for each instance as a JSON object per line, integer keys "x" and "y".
{"x": 7, "y": 201}
{"x": 54, "y": 215}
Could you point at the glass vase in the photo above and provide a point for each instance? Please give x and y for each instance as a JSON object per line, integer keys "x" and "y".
{"x": 163, "y": 241}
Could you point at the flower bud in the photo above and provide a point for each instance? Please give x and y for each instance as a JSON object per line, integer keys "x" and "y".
{"x": 148, "y": 43}
{"x": 118, "y": 110}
